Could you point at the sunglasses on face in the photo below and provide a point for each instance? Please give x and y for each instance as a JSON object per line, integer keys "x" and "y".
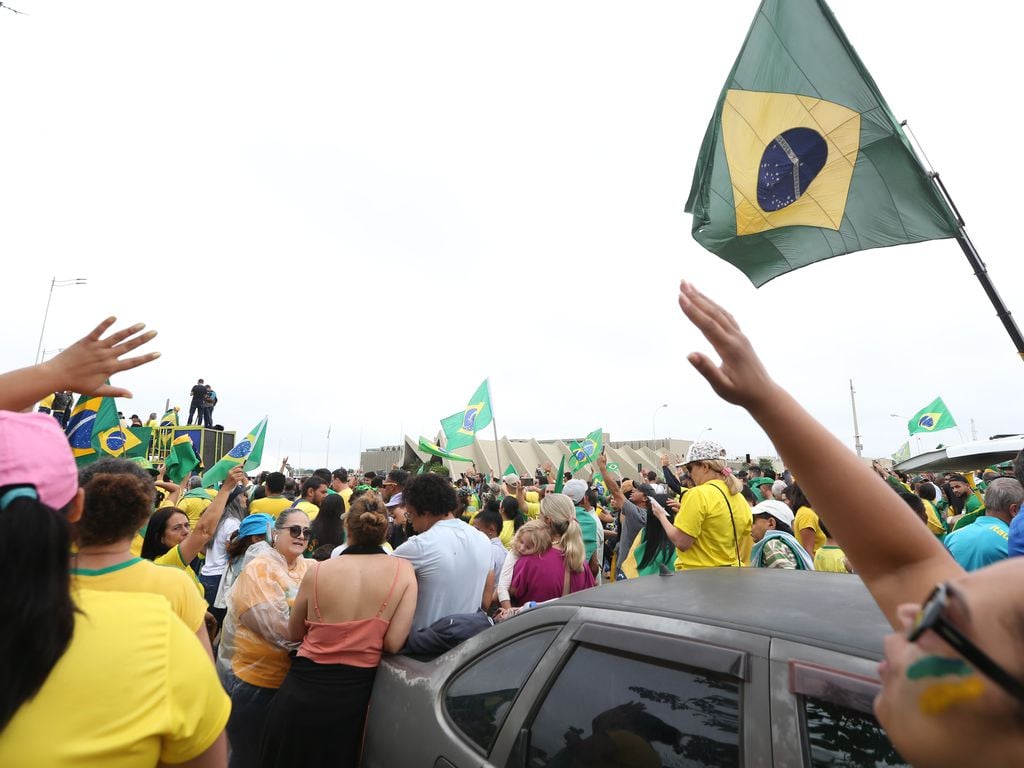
{"x": 297, "y": 531}
{"x": 933, "y": 616}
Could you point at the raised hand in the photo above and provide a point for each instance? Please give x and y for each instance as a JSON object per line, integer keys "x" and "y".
{"x": 741, "y": 378}
{"x": 86, "y": 365}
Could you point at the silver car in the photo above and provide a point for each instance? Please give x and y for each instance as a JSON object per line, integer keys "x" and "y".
{"x": 718, "y": 667}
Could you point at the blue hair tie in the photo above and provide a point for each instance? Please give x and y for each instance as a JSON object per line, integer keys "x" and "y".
{"x": 17, "y": 493}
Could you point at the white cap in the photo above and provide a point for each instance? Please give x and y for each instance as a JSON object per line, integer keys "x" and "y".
{"x": 776, "y": 509}
{"x": 575, "y": 489}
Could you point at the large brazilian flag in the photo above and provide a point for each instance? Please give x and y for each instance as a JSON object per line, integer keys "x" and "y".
{"x": 803, "y": 159}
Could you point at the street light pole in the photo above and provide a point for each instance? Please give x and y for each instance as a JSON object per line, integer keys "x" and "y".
{"x": 54, "y": 283}
{"x": 654, "y": 416}
{"x": 706, "y": 429}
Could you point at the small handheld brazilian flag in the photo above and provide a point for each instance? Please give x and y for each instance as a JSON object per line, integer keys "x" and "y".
{"x": 247, "y": 453}
{"x": 803, "y": 159}
{"x": 585, "y": 451}
{"x": 931, "y": 418}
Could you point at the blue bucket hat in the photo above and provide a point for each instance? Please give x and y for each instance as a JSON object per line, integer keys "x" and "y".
{"x": 256, "y": 525}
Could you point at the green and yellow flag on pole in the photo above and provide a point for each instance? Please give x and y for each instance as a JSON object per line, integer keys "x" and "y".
{"x": 247, "y": 453}
{"x": 932, "y": 418}
{"x": 182, "y": 460}
{"x": 803, "y": 159}
{"x": 460, "y": 428}
{"x": 583, "y": 452}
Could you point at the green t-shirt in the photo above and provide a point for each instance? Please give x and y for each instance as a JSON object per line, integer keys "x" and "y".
{"x": 591, "y": 531}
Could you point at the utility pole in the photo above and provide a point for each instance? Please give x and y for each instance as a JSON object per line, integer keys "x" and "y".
{"x": 856, "y": 429}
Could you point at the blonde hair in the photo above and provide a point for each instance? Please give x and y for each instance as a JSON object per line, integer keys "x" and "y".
{"x": 536, "y": 531}
{"x": 560, "y": 514}
{"x": 367, "y": 520}
{"x": 733, "y": 483}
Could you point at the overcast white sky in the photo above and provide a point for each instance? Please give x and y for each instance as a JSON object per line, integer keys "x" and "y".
{"x": 349, "y": 214}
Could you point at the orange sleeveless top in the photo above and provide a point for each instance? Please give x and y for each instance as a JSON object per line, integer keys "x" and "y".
{"x": 357, "y": 643}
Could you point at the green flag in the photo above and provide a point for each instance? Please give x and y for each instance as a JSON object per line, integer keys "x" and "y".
{"x": 931, "y": 418}
{"x": 510, "y": 470}
{"x": 803, "y": 159}
{"x": 560, "y": 480}
{"x": 248, "y": 453}
{"x": 182, "y": 460}
{"x": 460, "y": 428}
{"x": 582, "y": 453}
{"x": 902, "y": 454}
{"x": 428, "y": 447}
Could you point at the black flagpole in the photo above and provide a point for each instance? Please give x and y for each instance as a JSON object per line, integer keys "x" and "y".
{"x": 980, "y": 271}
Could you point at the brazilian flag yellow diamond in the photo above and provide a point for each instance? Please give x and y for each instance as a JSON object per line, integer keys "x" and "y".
{"x": 754, "y": 123}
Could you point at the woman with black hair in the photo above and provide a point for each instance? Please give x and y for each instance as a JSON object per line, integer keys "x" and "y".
{"x": 512, "y": 520}
{"x": 170, "y": 541}
{"x": 328, "y": 529}
{"x": 806, "y": 527}
{"x": 652, "y": 548}
{"x": 87, "y": 677}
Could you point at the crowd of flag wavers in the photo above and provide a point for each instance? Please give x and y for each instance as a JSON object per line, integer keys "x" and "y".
{"x": 253, "y": 611}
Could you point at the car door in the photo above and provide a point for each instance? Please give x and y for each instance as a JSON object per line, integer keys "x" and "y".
{"x": 639, "y": 690}
{"x": 821, "y": 709}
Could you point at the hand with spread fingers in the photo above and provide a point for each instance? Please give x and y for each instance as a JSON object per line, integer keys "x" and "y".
{"x": 741, "y": 378}
{"x": 84, "y": 367}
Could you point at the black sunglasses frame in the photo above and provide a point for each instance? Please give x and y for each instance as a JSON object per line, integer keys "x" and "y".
{"x": 931, "y": 617}
{"x": 303, "y": 533}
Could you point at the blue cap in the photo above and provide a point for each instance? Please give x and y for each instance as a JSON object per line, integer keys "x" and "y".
{"x": 256, "y": 525}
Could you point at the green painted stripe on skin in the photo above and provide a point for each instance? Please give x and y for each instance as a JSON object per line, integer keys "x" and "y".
{"x": 938, "y": 666}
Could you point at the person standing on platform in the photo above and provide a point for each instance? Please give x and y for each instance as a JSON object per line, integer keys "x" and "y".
{"x": 195, "y": 407}
{"x": 209, "y": 401}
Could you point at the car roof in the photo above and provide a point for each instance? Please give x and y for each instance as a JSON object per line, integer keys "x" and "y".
{"x": 829, "y": 610}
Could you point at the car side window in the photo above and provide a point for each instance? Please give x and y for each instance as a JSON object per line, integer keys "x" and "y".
{"x": 480, "y": 696}
{"x": 837, "y": 735}
{"x": 610, "y": 709}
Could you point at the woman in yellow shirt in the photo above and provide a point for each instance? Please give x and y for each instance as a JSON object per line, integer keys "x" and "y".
{"x": 259, "y": 608}
{"x": 170, "y": 541}
{"x": 712, "y": 526}
{"x": 87, "y": 678}
{"x": 805, "y": 521}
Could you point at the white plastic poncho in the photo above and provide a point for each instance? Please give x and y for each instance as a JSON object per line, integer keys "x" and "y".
{"x": 254, "y": 645}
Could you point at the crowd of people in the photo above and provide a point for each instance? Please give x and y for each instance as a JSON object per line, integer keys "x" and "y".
{"x": 232, "y": 625}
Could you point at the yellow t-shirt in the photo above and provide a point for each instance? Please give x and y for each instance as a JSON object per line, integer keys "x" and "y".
{"x": 172, "y": 559}
{"x": 808, "y": 518}
{"x": 267, "y": 587}
{"x": 311, "y": 509}
{"x": 933, "y": 521}
{"x": 134, "y": 687}
{"x": 346, "y": 494}
{"x": 193, "y": 507}
{"x": 508, "y": 530}
{"x": 269, "y": 505}
{"x": 704, "y": 515}
{"x": 532, "y": 505}
{"x": 138, "y": 575}
{"x": 830, "y": 560}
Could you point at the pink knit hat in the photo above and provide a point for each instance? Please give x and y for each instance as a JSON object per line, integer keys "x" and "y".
{"x": 35, "y": 452}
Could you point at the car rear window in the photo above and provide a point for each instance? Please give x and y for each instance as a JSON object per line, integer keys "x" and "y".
{"x": 481, "y": 695}
{"x": 613, "y": 709}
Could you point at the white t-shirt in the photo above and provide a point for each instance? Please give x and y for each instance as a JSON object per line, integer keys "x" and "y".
{"x": 217, "y": 552}
{"x": 451, "y": 561}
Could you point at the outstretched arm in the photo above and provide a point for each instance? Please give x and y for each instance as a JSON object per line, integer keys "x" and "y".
{"x": 618, "y": 497}
{"x": 207, "y": 525}
{"x": 901, "y": 566}
{"x": 83, "y": 367}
